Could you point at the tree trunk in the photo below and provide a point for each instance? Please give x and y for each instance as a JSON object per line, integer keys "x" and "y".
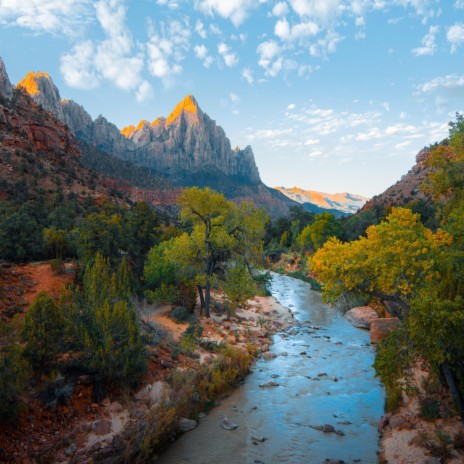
{"x": 207, "y": 298}
{"x": 202, "y": 299}
{"x": 453, "y": 388}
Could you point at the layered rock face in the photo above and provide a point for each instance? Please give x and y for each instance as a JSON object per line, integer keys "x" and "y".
{"x": 184, "y": 144}
{"x": 189, "y": 141}
{"x": 6, "y": 88}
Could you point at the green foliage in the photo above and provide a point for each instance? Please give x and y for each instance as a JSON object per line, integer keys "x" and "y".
{"x": 56, "y": 242}
{"x": 14, "y": 376}
{"x": 105, "y": 326}
{"x": 429, "y": 409}
{"x": 239, "y": 286}
{"x": 222, "y": 237}
{"x": 180, "y": 314}
{"x": 43, "y": 330}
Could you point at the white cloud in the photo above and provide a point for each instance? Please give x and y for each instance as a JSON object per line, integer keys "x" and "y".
{"x": 112, "y": 59}
{"x": 248, "y": 75}
{"x": 455, "y": 36}
{"x": 234, "y": 10}
{"x": 284, "y": 31}
{"x": 428, "y": 43}
{"x": 166, "y": 50}
{"x": 459, "y": 4}
{"x": 201, "y": 52}
{"x": 200, "y": 29}
{"x": 385, "y": 106}
{"x": 292, "y": 106}
{"x": 234, "y": 98}
{"x": 280, "y": 9}
{"x": 401, "y": 145}
{"x": 51, "y": 16}
{"x": 144, "y": 92}
{"x": 171, "y": 4}
{"x": 322, "y": 11}
{"x": 325, "y": 45}
{"x": 270, "y": 57}
{"x": 230, "y": 57}
{"x": 403, "y": 115}
{"x": 452, "y": 82}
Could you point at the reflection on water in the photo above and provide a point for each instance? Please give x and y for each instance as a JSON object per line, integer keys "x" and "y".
{"x": 325, "y": 378}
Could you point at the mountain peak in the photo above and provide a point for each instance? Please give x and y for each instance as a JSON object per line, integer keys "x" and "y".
{"x": 189, "y": 106}
{"x": 34, "y": 82}
{"x": 40, "y": 86}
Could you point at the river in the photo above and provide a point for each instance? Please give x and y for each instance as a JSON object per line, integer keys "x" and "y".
{"x": 326, "y": 377}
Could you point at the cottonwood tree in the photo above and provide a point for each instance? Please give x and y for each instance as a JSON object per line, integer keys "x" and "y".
{"x": 222, "y": 236}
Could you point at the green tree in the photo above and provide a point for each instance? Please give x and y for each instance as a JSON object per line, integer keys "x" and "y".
{"x": 43, "y": 330}
{"x": 222, "y": 233}
{"x": 14, "y": 376}
{"x": 140, "y": 230}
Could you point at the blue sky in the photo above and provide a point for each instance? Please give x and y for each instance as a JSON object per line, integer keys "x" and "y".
{"x": 332, "y": 95}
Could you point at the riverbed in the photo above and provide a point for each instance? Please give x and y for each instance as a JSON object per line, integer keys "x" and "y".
{"x": 324, "y": 375}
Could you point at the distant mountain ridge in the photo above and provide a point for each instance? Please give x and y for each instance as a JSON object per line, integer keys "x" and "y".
{"x": 187, "y": 148}
{"x": 344, "y": 202}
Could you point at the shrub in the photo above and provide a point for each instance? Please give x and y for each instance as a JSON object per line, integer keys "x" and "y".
{"x": 57, "y": 266}
{"x": 14, "y": 375}
{"x": 429, "y": 409}
{"x": 180, "y": 314}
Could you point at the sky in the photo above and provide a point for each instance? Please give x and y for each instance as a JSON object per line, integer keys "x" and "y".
{"x": 332, "y": 95}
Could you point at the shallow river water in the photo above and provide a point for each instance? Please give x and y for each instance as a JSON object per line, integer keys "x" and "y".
{"x": 348, "y": 397}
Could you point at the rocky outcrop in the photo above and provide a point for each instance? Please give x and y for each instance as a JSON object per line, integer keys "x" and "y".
{"x": 40, "y": 87}
{"x": 380, "y": 328}
{"x": 188, "y": 142}
{"x": 6, "y": 88}
{"x": 361, "y": 317}
{"x": 407, "y": 189}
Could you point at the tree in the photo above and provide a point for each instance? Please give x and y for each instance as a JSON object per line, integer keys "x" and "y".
{"x": 396, "y": 260}
{"x": 43, "y": 330}
{"x": 140, "y": 230}
{"x": 223, "y": 236}
{"x": 14, "y": 375}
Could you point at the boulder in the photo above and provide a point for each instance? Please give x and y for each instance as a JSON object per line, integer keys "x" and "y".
{"x": 187, "y": 424}
{"x": 361, "y": 316}
{"x": 268, "y": 355}
{"x": 268, "y": 384}
{"x": 380, "y": 328}
{"x": 227, "y": 424}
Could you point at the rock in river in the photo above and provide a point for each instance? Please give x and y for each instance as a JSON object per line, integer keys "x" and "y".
{"x": 361, "y": 316}
{"x": 228, "y": 424}
{"x": 187, "y": 424}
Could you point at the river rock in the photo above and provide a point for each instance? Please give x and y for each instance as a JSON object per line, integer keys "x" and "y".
{"x": 270, "y": 383}
{"x": 227, "y": 424}
{"x": 384, "y": 421}
{"x": 333, "y": 461}
{"x": 268, "y": 355}
{"x": 361, "y": 316}
{"x": 187, "y": 424}
{"x": 327, "y": 428}
{"x": 380, "y": 328}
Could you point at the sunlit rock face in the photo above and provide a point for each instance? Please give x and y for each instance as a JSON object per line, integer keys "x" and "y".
{"x": 44, "y": 92}
{"x": 188, "y": 140}
{"x": 5, "y": 84}
{"x": 186, "y": 143}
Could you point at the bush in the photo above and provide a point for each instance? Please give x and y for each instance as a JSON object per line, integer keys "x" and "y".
{"x": 57, "y": 266}
{"x": 180, "y": 314}
{"x": 429, "y": 409}
{"x": 14, "y": 375}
